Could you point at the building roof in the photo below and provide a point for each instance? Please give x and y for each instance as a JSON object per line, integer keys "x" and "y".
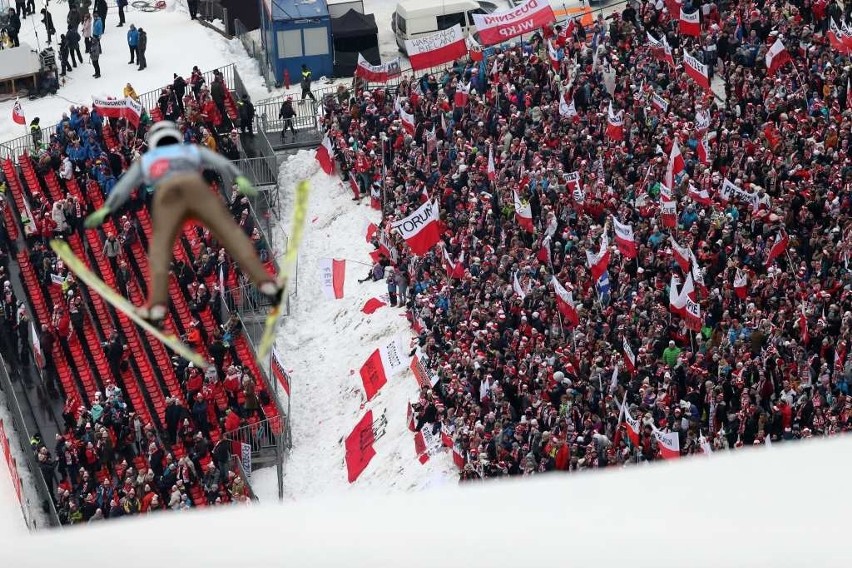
{"x": 296, "y": 9}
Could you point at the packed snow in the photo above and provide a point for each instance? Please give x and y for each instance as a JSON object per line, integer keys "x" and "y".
{"x": 324, "y": 343}
{"x": 11, "y": 517}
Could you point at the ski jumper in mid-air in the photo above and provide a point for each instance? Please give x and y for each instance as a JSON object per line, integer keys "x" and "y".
{"x": 174, "y": 169}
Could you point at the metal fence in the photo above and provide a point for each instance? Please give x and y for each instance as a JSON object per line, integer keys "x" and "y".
{"x": 255, "y": 50}
{"x": 306, "y": 111}
{"x": 214, "y": 13}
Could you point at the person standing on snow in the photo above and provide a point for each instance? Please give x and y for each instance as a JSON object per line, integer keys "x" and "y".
{"x": 87, "y": 31}
{"x": 307, "y": 78}
{"x": 132, "y": 43}
{"x": 140, "y": 49}
{"x": 63, "y": 55}
{"x": 173, "y": 169}
{"x": 72, "y": 36}
{"x": 287, "y": 113}
{"x": 101, "y": 10}
{"x": 246, "y": 109}
{"x": 47, "y": 20}
{"x": 95, "y": 55}
{"x": 97, "y": 27}
{"x": 122, "y": 4}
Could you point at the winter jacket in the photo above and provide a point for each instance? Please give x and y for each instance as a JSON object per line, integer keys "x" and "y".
{"x": 143, "y": 41}
{"x": 72, "y": 37}
{"x": 98, "y": 27}
{"x": 87, "y": 28}
{"x": 95, "y": 50}
{"x": 132, "y": 37}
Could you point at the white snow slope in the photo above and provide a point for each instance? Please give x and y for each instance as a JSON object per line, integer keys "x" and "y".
{"x": 325, "y": 342}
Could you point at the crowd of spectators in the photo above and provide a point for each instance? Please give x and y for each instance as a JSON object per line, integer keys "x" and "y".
{"x": 107, "y": 462}
{"x": 519, "y": 389}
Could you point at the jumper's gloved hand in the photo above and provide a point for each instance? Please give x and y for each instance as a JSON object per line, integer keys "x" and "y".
{"x": 97, "y": 218}
{"x": 245, "y": 187}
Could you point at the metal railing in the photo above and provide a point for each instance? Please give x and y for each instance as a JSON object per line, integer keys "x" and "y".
{"x": 306, "y": 111}
{"x": 261, "y": 436}
{"x": 43, "y": 492}
{"x": 213, "y": 13}
{"x": 255, "y": 50}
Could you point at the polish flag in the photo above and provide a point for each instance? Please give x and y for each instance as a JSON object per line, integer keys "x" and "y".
{"x": 696, "y": 70}
{"x": 407, "y": 119}
{"x": 741, "y": 284}
{"x": 553, "y": 55}
{"x": 676, "y": 301}
{"x": 836, "y": 38}
{"x": 436, "y": 49}
{"x": 462, "y": 95}
{"x": 523, "y": 213}
{"x": 668, "y": 443}
{"x": 492, "y": 171}
{"x": 624, "y": 238}
{"x": 353, "y": 185}
{"x": 629, "y": 357}
{"x": 682, "y": 255}
{"x": 474, "y": 50}
{"x": 370, "y": 230}
{"x": 699, "y": 195}
{"x": 375, "y": 197}
{"x": 614, "y": 125}
{"x": 565, "y": 303}
{"x": 599, "y": 263}
{"x": 692, "y": 315}
{"x": 689, "y": 23}
{"x": 697, "y": 274}
{"x": 377, "y": 73}
{"x": 332, "y": 276}
{"x": 659, "y": 103}
{"x": 776, "y": 57}
{"x": 668, "y": 213}
{"x": 325, "y": 156}
{"x": 422, "y": 229}
{"x": 676, "y": 164}
{"x": 661, "y": 49}
{"x": 778, "y": 248}
{"x": 384, "y": 362}
{"x": 543, "y": 255}
{"x": 38, "y": 353}
{"x": 634, "y": 428}
{"x": 454, "y": 269}
{"x": 18, "y": 113}
{"x": 516, "y": 286}
{"x": 701, "y": 150}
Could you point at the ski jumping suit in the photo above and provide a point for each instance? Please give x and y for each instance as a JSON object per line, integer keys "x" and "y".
{"x": 181, "y": 194}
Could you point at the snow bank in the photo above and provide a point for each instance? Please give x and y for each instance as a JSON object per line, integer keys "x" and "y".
{"x": 325, "y": 342}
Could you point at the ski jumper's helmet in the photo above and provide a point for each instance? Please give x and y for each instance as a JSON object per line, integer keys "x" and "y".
{"x": 164, "y": 133}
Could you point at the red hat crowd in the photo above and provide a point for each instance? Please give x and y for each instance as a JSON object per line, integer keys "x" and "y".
{"x": 649, "y": 269}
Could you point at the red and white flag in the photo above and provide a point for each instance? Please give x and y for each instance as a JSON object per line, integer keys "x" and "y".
{"x": 566, "y": 108}
{"x": 565, "y": 303}
{"x": 544, "y": 251}
{"x": 332, "y": 277}
{"x": 422, "y": 229}
{"x": 776, "y": 57}
{"x": 699, "y": 195}
{"x": 697, "y": 273}
{"x": 436, "y": 49}
{"x": 523, "y": 213}
{"x": 624, "y": 238}
{"x": 407, "y": 120}
{"x": 692, "y": 315}
{"x": 383, "y": 363}
{"x": 676, "y": 301}
{"x": 696, "y": 70}
{"x": 325, "y": 156}
{"x": 37, "y": 351}
{"x": 517, "y": 288}
{"x": 18, "y": 113}
{"x": 681, "y": 254}
{"x": 668, "y": 213}
{"x": 676, "y": 164}
{"x": 599, "y": 262}
{"x": 660, "y": 103}
{"x": 454, "y": 269}
{"x": 741, "y": 284}
{"x": 702, "y": 121}
{"x": 689, "y": 23}
{"x": 377, "y": 73}
{"x": 461, "y": 95}
{"x": 279, "y": 372}
{"x": 503, "y": 25}
{"x": 370, "y": 230}
{"x": 553, "y": 55}
{"x": 474, "y": 50}
{"x": 634, "y": 427}
{"x": 668, "y": 444}
{"x": 836, "y": 38}
{"x": 701, "y": 151}
{"x": 614, "y": 125}
{"x": 661, "y": 49}
{"x": 492, "y": 171}
{"x": 629, "y": 357}
{"x": 778, "y": 248}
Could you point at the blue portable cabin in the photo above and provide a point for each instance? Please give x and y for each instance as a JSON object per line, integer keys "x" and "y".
{"x": 294, "y": 32}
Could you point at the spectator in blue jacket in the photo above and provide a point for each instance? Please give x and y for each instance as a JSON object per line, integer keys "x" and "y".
{"x": 98, "y": 27}
{"x": 132, "y": 42}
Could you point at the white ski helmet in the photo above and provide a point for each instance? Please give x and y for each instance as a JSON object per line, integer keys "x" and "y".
{"x": 164, "y": 133}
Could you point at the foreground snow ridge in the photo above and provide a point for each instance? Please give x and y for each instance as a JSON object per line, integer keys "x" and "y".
{"x": 325, "y": 342}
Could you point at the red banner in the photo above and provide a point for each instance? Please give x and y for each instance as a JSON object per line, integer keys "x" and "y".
{"x": 10, "y": 461}
{"x": 436, "y": 49}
